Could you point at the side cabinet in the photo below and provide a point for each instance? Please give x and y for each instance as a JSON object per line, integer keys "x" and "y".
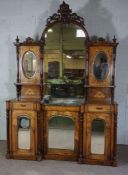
{"x": 22, "y": 130}
{"x": 99, "y": 139}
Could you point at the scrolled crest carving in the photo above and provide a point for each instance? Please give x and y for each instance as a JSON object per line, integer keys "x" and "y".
{"x": 65, "y": 15}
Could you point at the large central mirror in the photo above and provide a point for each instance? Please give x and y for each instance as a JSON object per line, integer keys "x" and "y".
{"x": 64, "y": 63}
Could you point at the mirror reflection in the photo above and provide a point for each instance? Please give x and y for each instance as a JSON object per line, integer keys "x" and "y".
{"x": 29, "y": 64}
{"x": 23, "y": 132}
{"x": 100, "y": 67}
{"x": 97, "y": 137}
{"x": 64, "y": 60}
{"x": 61, "y": 133}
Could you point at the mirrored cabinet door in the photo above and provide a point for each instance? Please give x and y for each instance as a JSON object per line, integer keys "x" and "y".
{"x": 23, "y": 130}
{"x": 62, "y": 134}
{"x": 24, "y": 125}
{"x": 97, "y": 135}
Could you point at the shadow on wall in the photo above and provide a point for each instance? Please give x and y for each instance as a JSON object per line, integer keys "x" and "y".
{"x": 122, "y": 71}
{"x": 12, "y": 69}
{"x": 122, "y": 89}
{"x": 42, "y": 19}
{"x": 97, "y": 18}
{"x": 9, "y": 85}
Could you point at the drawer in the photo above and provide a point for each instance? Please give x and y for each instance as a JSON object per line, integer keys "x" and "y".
{"x": 23, "y": 105}
{"x": 98, "y": 108}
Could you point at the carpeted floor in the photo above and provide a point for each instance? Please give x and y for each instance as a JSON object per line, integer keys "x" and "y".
{"x": 52, "y": 167}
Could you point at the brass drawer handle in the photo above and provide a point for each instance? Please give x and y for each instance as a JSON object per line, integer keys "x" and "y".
{"x": 99, "y": 108}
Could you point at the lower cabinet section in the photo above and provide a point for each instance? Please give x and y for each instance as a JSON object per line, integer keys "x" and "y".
{"x": 22, "y": 131}
{"x": 85, "y": 133}
{"x": 97, "y": 137}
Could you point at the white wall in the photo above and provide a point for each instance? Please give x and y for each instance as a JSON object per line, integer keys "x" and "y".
{"x": 27, "y": 18}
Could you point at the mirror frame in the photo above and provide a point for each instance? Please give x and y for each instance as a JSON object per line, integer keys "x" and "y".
{"x": 65, "y": 15}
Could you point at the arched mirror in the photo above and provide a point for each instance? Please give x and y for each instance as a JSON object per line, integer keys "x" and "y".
{"x": 23, "y": 132}
{"x": 64, "y": 55}
{"x": 61, "y": 133}
{"x": 97, "y": 136}
{"x": 100, "y": 66}
{"x": 64, "y": 61}
{"x": 29, "y": 64}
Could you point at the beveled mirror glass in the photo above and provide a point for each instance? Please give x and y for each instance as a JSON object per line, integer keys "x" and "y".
{"x": 61, "y": 133}
{"x": 97, "y": 136}
{"x": 29, "y": 64}
{"x": 100, "y": 66}
{"x": 64, "y": 61}
{"x": 23, "y": 132}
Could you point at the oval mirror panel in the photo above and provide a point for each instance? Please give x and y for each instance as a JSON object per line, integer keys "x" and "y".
{"x": 29, "y": 64}
{"x": 100, "y": 67}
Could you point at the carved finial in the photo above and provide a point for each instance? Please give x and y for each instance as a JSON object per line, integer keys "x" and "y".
{"x": 29, "y": 40}
{"x": 17, "y": 39}
{"x": 114, "y": 39}
{"x": 64, "y": 9}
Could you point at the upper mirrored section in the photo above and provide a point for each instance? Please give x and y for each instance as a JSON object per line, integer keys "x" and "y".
{"x": 100, "y": 66}
{"x": 64, "y": 60}
{"x": 29, "y": 64}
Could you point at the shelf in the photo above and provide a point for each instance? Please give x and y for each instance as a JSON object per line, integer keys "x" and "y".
{"x": 27, "y": 84}
{"x": 99, "y": 86}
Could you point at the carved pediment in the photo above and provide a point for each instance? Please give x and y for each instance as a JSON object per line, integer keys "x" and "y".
{"x": 65, "y": 15}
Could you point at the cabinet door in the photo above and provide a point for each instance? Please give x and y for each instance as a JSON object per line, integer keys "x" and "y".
{"x": 24, "y": 126}
{"x": 97, "y": 130}
{"x": 62, "y": 135}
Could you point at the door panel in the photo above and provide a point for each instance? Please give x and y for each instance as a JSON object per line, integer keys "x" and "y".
{"x": 23, "y": 132}
{"x": 62, "y": 134}
{"x": 97, "y": 134}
